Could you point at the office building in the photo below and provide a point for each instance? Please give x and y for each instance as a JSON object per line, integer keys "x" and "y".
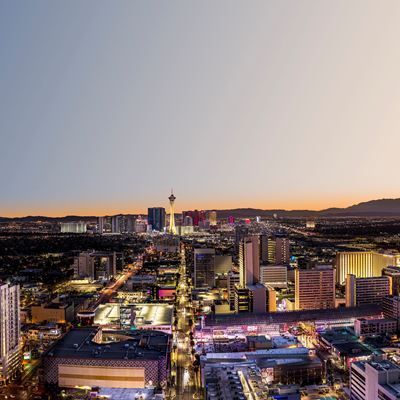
{"x": 362, "y": 264}
{"x": 274, "y": 275}
{"x": 249, "y": 261}
{"x": 315, "y": 288}
{"x": 73, "y": 227}
{"x": 360, "y": 291}
{"x": 204, "y": 268}
{"x": 274, "y": 250}
{"x": 374, "y": 380}
{"x": 10, "y": 331}
{"x": 92, "y": 357}
{"x": 156, "y": 218}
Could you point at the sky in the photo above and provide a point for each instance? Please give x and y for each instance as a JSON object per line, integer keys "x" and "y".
{"x": 105, "y": 106}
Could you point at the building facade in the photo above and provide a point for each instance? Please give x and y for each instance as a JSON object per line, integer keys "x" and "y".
{"x": 315, "y": 288}
{"x": 274, "y": 275}
{"x": 374, "y": 381}
{"x": 10, "y": 331}
{"x": 249, "y": 261}
{"x": 156, "y": 218}
{"x": 73, "y": 227}
{"x": 204, "y": 268}
{"x": 362, "y": 264}
{"x": 91, "y": 357}
{"x": 274, "y": 250}
{"x": 361, "y": 291}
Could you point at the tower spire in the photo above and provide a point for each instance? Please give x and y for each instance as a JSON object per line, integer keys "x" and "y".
{"x": 172, "y": 228}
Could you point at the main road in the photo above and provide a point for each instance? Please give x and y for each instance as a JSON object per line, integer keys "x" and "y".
{"x": 185, "y": 379}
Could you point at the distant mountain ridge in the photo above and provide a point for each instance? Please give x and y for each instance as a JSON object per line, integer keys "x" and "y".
{"x": 381, "y": 207}
{"x": 372, "y": 208}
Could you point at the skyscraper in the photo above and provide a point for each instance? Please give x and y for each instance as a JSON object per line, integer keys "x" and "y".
{"x": 241, "y": 232}
{"x": 10, "y": 331}
{"x": 275, "y": 250}
{"x": 204, "y": 268}
{"x": 172, "y": 228}
{"x": 156, "y": 218}
{"x": 315, "y": 288}
{"x": 371, "y": 290}
{"x": 249, "y": 262}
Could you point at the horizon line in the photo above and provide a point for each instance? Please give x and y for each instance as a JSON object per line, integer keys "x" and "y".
{"x": 144, "y": 212}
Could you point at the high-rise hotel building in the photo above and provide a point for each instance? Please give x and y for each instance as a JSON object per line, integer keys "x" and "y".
{"x": 249, "y": 261}
{"x": 274, "y": 250}
{"x": 10, "y": 331}
{"x": 315, "y": 288}
{"x": 156, "y": 218}
{"x": 362, "y": 264}
{"x": 361, "y": 291}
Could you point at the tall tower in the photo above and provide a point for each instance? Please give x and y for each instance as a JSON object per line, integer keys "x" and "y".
{"x": 10, "y": 331}
{"x": 172, "y": 228}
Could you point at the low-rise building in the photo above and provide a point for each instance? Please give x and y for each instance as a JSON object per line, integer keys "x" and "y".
{"x": 117, "y": 359}
{"x": 368, "y": 327}
{"x": 59, "y": 313}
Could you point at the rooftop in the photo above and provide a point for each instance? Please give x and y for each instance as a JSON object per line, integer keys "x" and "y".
{"x": 79, "y": 343}
{"x": 294, "y": 316}
{"x": 145, "y": 314}
{"x": 377, "y": 365}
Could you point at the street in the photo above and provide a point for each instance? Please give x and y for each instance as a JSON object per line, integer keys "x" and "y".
{"x": 186, "y": 379}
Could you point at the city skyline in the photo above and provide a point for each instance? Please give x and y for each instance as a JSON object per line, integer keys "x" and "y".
{"x": 105, "y": 107}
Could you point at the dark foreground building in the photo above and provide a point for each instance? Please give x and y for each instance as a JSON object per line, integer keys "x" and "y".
{"x": 92, "y": 357}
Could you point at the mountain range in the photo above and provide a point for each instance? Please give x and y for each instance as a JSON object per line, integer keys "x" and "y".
{"x": 381, "y": 207}
{"x": 373, "y": 208}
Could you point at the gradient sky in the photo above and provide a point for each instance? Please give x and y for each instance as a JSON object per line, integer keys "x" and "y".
{"x": 104, "y": 106}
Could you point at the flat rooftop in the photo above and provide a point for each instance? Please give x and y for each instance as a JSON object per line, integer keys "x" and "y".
{"x": 369, "y": 310}
{"x": 78, "y": 343}
{"x": 378, "y": 365}
{"x": 146, "y": 314}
